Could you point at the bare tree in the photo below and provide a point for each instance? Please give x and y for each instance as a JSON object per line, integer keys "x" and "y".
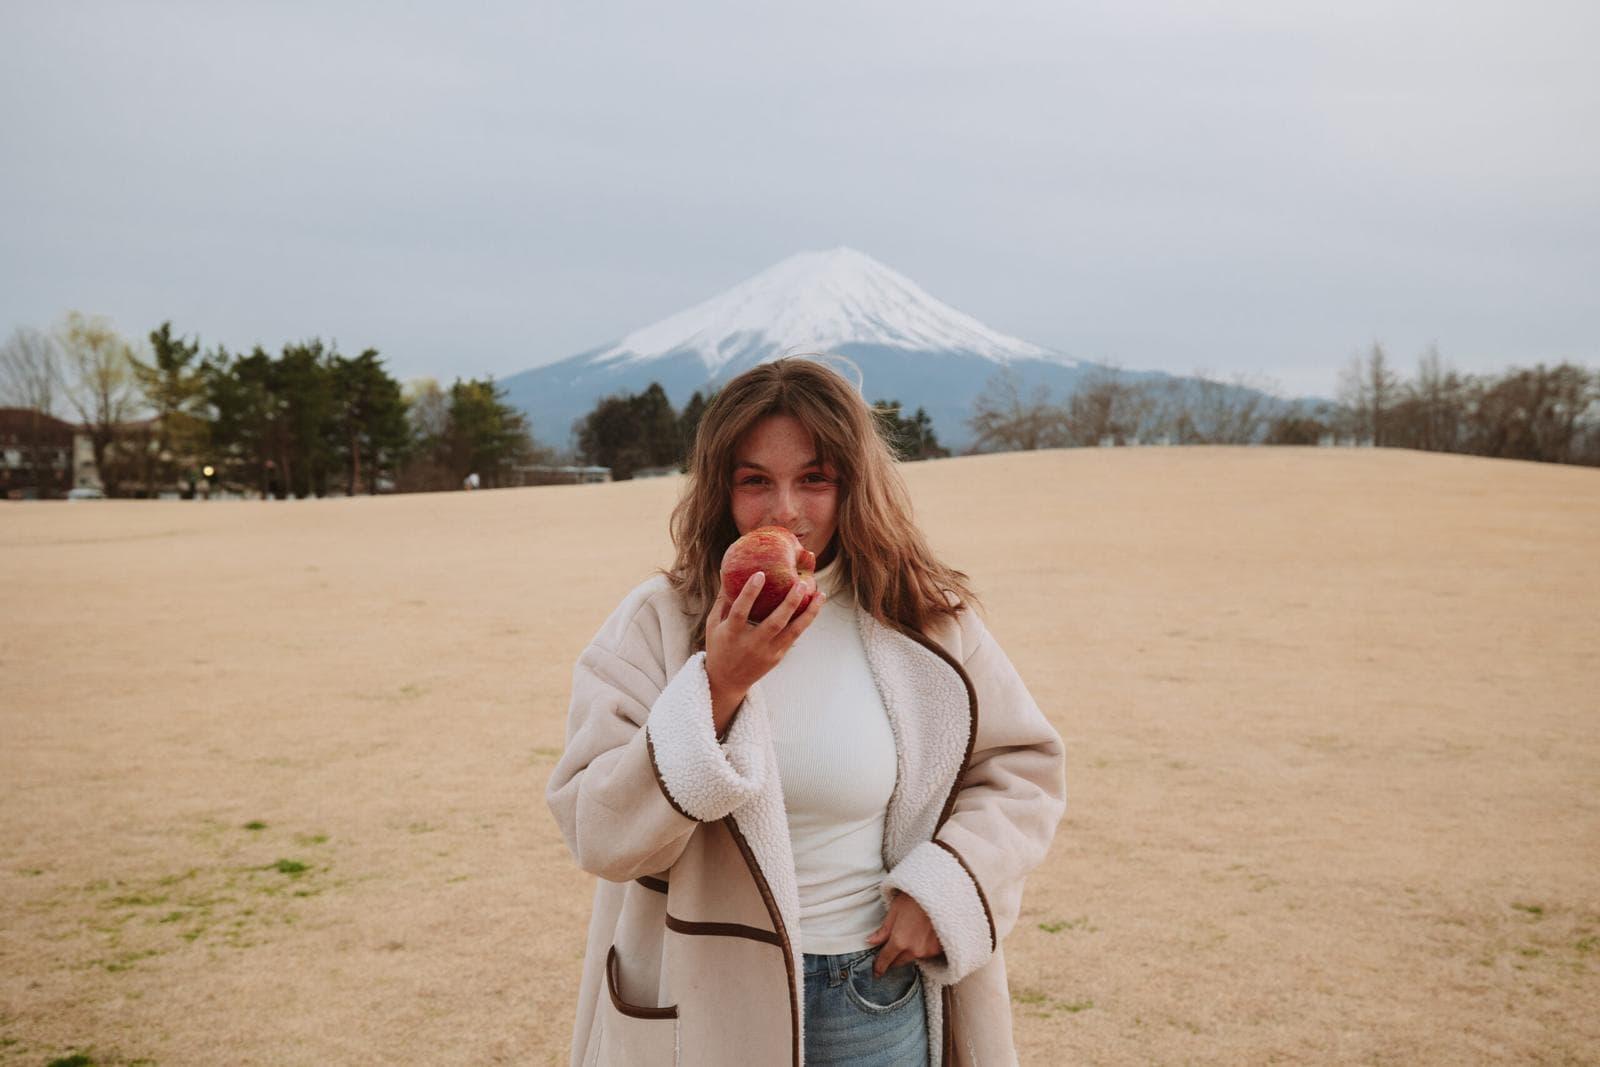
{"x": 1004, "y": 420}
{"x": 1369, "y": 392}
{"x": 99, "y": 383}
{"x": 1430, "y": 412}
{"x": 30, "y": 375}
{"x": 30, "y": 371}
{"x": 427, "y": 468}
{"x": 1220, "y": 413}
{"x": 1104, "y": 407}
{"x": 427, "y": 408}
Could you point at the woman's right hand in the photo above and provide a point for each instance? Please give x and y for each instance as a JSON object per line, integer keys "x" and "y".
{"x": 739, "y": 652}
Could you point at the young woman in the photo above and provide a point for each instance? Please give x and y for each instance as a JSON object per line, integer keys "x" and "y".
{"x": 811, "y": 832}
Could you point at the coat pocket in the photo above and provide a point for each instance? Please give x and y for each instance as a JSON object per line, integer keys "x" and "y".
{"x": 629, "y": 1034}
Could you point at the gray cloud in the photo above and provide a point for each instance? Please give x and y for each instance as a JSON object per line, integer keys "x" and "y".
{"x": 1253, "y": 187}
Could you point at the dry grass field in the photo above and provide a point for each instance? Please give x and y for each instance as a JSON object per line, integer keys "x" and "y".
{"x": 271, "y": 774}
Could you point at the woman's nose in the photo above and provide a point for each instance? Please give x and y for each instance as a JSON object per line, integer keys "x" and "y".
{"x": 785, "y": 508}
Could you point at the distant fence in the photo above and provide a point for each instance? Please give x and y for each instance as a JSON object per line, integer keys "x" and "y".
{"x": 540, "y": 474}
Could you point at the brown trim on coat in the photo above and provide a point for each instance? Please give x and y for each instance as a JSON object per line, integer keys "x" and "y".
{"x": 650, "y": 747}
{"x": 633, "y": 1011}
{"x": 983, "y": 898}
{"x": 972, "y": 733}
{"x": 777, "y": 925}
{"x": 947, "y": 995}
{"x": 751, "y": 933}
{"x": 658, "y": 885}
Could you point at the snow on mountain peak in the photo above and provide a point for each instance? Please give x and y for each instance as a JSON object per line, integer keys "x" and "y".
{"x": 817, "y": 301}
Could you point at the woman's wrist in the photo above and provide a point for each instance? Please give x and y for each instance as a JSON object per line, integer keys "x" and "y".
{"x": 724, "y": 704}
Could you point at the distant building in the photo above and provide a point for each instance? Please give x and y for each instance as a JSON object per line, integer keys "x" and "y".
{"x": 544, "y": 474}
{"x": 37, "y": 455}
{"x": 655, "y": 472}
{"x": 85, "y": 475}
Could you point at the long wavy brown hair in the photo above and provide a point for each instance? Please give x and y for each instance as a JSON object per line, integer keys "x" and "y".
{"x": 882, "y": 555}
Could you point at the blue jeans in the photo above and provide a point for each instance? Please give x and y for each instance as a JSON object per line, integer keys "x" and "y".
{"x": 856, "y": 1020}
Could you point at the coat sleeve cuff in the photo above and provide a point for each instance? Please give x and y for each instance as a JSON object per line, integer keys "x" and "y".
{"x": 702, "y": 778}
{"x": 938, "y": 880}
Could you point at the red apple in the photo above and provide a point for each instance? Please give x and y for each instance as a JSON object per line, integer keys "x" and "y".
{"x": 776, "y": 552}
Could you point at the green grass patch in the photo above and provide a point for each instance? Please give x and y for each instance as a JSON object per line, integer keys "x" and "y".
{"x": 126, "y": 961}
{"x": 77, "y": 1059}
{"x": 255, "y": 824}
{"x": 1055, "y": 926}
{"x": 311, "y": 839}
{"x": 131, "y": 919}
{"x": 1042, "y": 1004}
{"x": 1535, "y": 910}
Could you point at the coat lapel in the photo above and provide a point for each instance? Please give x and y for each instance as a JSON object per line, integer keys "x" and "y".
{"x": 933, "y": 711}
{"x": 933, "y": 715}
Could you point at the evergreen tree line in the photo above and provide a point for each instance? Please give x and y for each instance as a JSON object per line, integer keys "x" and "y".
{"x": 632, "y": 432}
{"x": 307, "y": 421}
{"x": 1550, "y": 414}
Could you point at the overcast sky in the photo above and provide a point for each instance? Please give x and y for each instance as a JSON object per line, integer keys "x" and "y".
{"x": 1260, "y": 188}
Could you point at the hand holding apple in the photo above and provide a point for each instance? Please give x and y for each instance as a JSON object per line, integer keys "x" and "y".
{"x": 739, "y": 649}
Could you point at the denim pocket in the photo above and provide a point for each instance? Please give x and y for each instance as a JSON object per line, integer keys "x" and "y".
{"x": 894, "y": 990}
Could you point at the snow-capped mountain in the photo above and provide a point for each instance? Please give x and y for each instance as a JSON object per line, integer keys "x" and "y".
{"x": 818, "y": 301}
{"x": 909, "y": 346}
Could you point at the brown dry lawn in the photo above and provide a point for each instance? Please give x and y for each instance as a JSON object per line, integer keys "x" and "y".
{"x": 271, "y": 774}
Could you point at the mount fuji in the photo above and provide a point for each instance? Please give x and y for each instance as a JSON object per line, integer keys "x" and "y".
{"x": 908, "y": 345}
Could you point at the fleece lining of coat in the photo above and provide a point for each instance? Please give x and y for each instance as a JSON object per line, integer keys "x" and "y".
{"x": 706, "y": 779}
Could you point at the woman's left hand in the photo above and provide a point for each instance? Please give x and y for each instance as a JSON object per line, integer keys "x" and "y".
{"x": 906, "y": 935}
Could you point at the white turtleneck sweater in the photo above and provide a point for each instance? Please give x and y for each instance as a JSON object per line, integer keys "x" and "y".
{"x": 836, "y": 760}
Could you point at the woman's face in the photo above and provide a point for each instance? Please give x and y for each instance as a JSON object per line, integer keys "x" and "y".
{"x": 778, "y": 481}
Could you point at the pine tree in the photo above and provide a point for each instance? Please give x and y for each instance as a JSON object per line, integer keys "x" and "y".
{"x": 370, "y": 417}
{"x": 174, "y": 385}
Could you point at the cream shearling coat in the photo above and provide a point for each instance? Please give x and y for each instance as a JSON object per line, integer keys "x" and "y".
{"x": 692, "y": 951}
